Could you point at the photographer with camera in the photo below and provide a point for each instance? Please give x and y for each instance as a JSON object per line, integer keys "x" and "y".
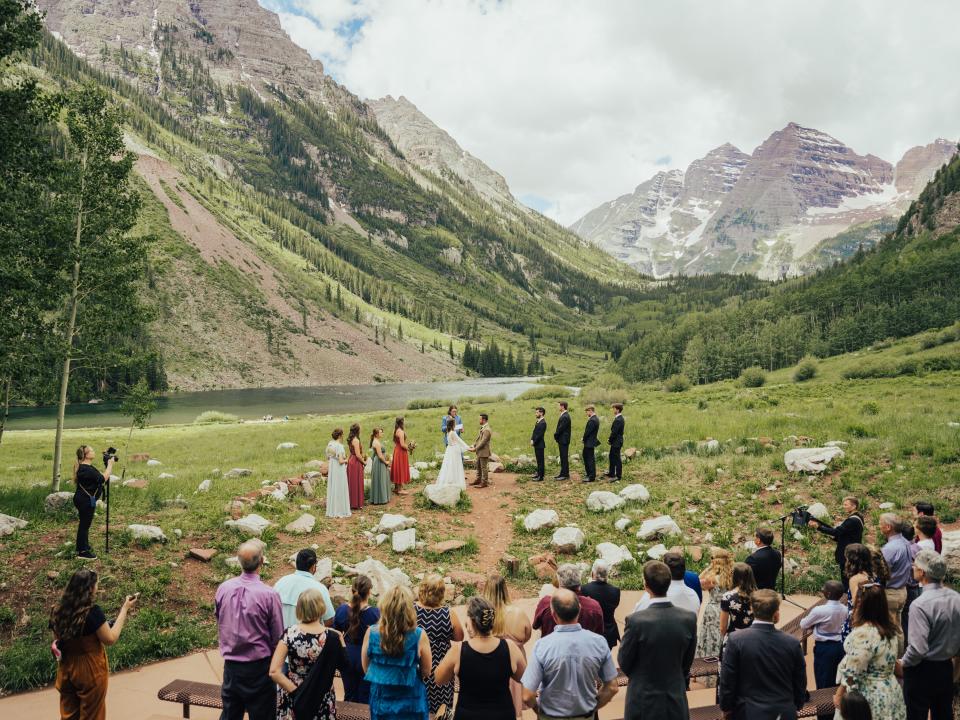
{"x": 846, "y": 533}
{"x": 90, "y": 484}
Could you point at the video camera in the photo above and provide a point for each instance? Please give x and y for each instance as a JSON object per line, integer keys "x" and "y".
{"x": 111, "y": 453}
{"x": 800, "y": 517}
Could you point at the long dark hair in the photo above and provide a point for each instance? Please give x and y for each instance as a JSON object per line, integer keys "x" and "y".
{"x": 354, "y": 433}
{"x": 743, "y": 581}
{"x": 398, "y": 425}
{"x": 872, "y": 608}
{"x": 878, "y": 563}
{"x": 373, "y": 435}
{"x": 451, "y": 424}
{"x": 854, "y": 706}
{"x": 68, "y": 616}
{"x": 361, "y": 591}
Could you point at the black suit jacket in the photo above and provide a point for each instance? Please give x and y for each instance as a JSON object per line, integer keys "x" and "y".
{"x": 763, "y": 675}
{"x": 766, "y": 566}
{"x": 590, "y": 432}
{"x": 539, "y": 430}
{"x": 562, "y": 434}
{"x": 609, "y": 598}
{"x": 846, "y": 533}
{"x": 656, "y": 654}
{"x": 616, "y": 432}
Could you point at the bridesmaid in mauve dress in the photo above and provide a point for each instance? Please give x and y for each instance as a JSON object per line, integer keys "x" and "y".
{"x": 400, "y": 467}
{"x": 380, "y": 472}
{"x": 355, "y": 466}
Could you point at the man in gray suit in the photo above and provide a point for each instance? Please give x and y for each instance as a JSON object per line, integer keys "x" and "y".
{"x": 657, "y": 651}
{"x": 763, "y": 675}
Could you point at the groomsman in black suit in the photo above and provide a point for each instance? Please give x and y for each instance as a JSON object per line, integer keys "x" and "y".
{"x": 562, "y": 436}
{"x": 590, "y": 442}
{"x": 536, "y": 440}
{"x": 765, "y": 560}
{"x": 616, "y": 443}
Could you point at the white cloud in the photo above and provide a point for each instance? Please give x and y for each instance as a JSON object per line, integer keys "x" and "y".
{"x": 576, "y": 102}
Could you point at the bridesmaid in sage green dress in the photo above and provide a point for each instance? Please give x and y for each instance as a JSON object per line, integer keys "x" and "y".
{"x": 380, "y": 472}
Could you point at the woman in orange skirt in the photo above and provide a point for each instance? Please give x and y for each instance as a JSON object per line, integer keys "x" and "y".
{"x": 80, "y": 631}
{"x": 400, "y": 466}
{"x": 355, "y": 466}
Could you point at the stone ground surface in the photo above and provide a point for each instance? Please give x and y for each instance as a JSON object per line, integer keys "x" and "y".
{"x": 133, "y": 694}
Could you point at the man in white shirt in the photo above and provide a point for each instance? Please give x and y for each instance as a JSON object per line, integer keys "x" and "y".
{"x": 679, "y": 594}
{"x": 827, "y": 623}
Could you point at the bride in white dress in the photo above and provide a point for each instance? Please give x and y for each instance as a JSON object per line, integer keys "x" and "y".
{"x": 451, "y": 470}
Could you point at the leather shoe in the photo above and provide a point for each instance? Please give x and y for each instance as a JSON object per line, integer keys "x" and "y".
{"x": 589, "y": 480}
{"x": 562, "y": 477}
{"x": 537, "y": 478}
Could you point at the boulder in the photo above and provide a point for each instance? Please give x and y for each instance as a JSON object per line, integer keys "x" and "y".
{"x": 324, "y": 569}
{"x": 567, "y": 539}
{"x": 447, "y": 546}
{"x": 496, "y": 467}
{"x": 287, "y": 446}
{"x": 819, "y": 511}
{"x": 135, "y": 483}
{"x": 541, "y": 518}
{"x": 249, "y": 524}
{"x": 421, "y": 465}
{"x": 810, "y": 460}
{"x": 177, "y": 502}
{"x": 166, "y": 476}
{"x": 442, "y": 495}
{"x": 340, "y": 594}
{"x": 622, "y": 524}
{"x": 630, "y": 453}
{"x": 661, "y": 526}
{"x": 146, "y": 532}
{"x": 204, "y": 486}
{"x": 708, "y": 446}
{"x": 301, "y": 525}
{"x": 238, "y": 472}
{"x": 307, "y": 488}
{"x": 951, "y": 551}
{"x": 8, "y": 524}
{"x": 202, "y": 554}
{"x": 635, "y": 493}
{"x": 320, "y": 465}
{"x": 232, "y": 562}
{"x": 139, "y": 457}
{"x": 280, "y": 491}
{"x": 836, "y": 443}
{"x": 381, "y": 538}
{"x": 404, "y": 540}
{"x": 58, "y": 501}
{"x": 657, "y": 551}
{"x": 153, "y": 463}
{"x": 603, "y": 500}
{"x": 886, "y": 506}
{"x": 464, "y": 577}
{"x": 312, "y": 475}
{"x": 414, "y": 473}
{"x": 380, "y": 576}
{"x": 391, "y": 523}
{"x": 613, "y": 554}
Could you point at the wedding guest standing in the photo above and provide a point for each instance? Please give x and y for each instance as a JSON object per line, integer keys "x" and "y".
{"x": 537, "y": 443}
{"x": 396, "y": 659}
{"x": 380, "y": 471}
{"x": 609, "y": 598}
{"x": 716, "y": 580}
{"x": 735, "y": 610}
{"x": 510, "y": 622}
{"x": 81, "y": 630}
{"x": 355, "y": 467}
{"x": 590, "y": 443}
{"x": 562, "y": 437}
{"x": 352, "y": 619}
{"x": 442, "y": 627}
{"x": 400, "y": 465}
{"x": 765, "y": 560}
{"x": 826, "y": 622}
{"x": 616, "y": 443}
{"x": 338, "y": 490}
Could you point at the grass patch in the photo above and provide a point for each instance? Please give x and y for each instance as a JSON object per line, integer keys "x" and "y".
{"x": 215, "y": 416}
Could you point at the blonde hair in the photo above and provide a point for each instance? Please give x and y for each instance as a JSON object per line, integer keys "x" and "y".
{"x": 432, "y": 591}
{"x": 81, "y": 454}
{"x": 397, "y": 618}
{"x": 310, "y": 606}
{"x": 496, "y": 593}
{"x": 721, "y": 567}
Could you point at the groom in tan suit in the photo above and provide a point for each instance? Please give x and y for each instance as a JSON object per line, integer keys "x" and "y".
{"x": 482, "y": 448}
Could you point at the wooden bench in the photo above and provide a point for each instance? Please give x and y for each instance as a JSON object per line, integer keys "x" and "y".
{"x": 187, "y": 693}
{"x": 820, "y": 703}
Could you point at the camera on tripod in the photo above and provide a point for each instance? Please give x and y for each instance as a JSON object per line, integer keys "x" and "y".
{"x": 110, "y": 454}
{"x": 801, "y": 517}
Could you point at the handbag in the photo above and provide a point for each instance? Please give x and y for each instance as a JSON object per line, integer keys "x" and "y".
{"x": 307, "y": 697}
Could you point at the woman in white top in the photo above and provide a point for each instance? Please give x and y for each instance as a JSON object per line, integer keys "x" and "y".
{"x": 451, "y": 470}
{"x": 926, "y": 528}
{"x": 338, "y": 492}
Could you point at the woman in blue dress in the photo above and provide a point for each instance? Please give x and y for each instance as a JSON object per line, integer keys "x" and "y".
{"x": 353, "y": 619}
{"x": 396, "y": 659}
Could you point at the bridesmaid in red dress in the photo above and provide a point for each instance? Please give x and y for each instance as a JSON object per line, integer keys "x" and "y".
{"x": 400, "y": 467}
{"x": 355, "y": 466}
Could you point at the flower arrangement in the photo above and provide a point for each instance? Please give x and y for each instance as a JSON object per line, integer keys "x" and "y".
{"x": 411, "y": 446}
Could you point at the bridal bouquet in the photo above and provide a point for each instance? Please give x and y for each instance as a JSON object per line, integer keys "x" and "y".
{"x": 411, "y": 446}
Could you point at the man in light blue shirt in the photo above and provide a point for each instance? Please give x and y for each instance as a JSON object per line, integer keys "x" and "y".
{"x": 826, "y": 622}
{"x": 289, "y": 587}
{"x": 896, "y": 551}
{"x": 566, "y": 665}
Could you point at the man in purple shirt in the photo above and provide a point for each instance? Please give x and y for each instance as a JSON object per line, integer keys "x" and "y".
{"x": 250, "y": 623}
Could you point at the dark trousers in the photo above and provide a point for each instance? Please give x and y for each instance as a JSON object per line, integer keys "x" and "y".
{"x": 928, "y": 687}
{"x": 85, "y": 510}
{"x": 541, "y": 464}
{"x": 616, "y": 464}
{"x": 564, "y": 460}
{"x": 913, "y": 592}
{"x": 248, "y": 688}
{"x": 589, "y": 463}
{"x": 826, "y": 657}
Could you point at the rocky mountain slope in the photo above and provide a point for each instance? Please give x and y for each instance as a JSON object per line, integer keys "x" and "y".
{"x": 771, "y": 213}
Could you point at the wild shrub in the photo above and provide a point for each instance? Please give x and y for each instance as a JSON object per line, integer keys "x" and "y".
{"x": 676, "y": 383}
{"x": 806, "y": 369}
{"x": 753, "y": 377}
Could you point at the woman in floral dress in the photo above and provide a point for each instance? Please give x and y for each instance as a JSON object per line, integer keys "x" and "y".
{"x": 871, "y": 654}
{"x": 735, "y": 611}
{"x": 716, "y": 580}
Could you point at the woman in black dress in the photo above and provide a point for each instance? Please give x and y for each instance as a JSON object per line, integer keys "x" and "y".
{"x": 484, "y": 664}
{"x": 90, "y": 483}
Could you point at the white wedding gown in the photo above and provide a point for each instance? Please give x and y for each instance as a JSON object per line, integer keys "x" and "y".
{"x": 451, "y": 470}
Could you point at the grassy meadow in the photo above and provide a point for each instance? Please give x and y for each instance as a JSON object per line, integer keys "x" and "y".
{"x": 901, "y": 449}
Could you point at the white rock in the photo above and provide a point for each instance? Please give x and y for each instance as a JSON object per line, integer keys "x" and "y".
{"x": 885, "y": 505}
{"x": 166, "y": 476}
{"x": 953, "y": 424}
{"x": 623, "y": 523}
{"x": 663, "y": 525}
{"x": 287, "y": 446}
{"x": 238, "y": 472}
{"x": 749, "y": 545}
{"x": 810, "y": 460}
{"x": 307, "y": 487}
{"x": 380, "y": 576}
{"x": 280, "y": 491}
{"x": 381, "y": 538}
{"x": 312, "y": 475}
{"x": 635, "y": 493}
{"x": 613, "y": 554}
{"x": 603, "y": 500}
{"x": 129, "y": 481}
{"x": 302, "y": 524}
{"x": 797, "y": 535}
{"x": 232, "y": 562}
{"x": 249, "y": 524}
{"x": 153, "y": 463}
{"x": 836, "y": 443}
{"x": 819, "y": 511}
{"x": 314, "y": 464}
{"x": 57, "y": 501}
{"x": 709, "y": 446}
{"x": 177, "y": 533}
{"x": 421, "y": 465}
{"x": 433, "y": 466}
{"x": 791, "y": 565}
{"x": 443, "y": 495}
{"x": 414, "y": 473}
{"x": 657, "y": 551}
{"x": 539, "y": 519}
{"x": 951, "y": 551}
{"x": 404, "y": 540}
{"x": 391, "y": 523}
{"x": 147, "y": 532}
{"x": 204, "y": 486}
{"x": 324, "y": 569}
{"x": 8, "y": 524}
{"x": 567, "y": 539}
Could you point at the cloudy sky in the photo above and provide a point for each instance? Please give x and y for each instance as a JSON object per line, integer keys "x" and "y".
{"x": 576, "y": 103}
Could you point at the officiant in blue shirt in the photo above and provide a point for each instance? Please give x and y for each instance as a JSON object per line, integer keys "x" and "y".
{"x": 458, "y": 422}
